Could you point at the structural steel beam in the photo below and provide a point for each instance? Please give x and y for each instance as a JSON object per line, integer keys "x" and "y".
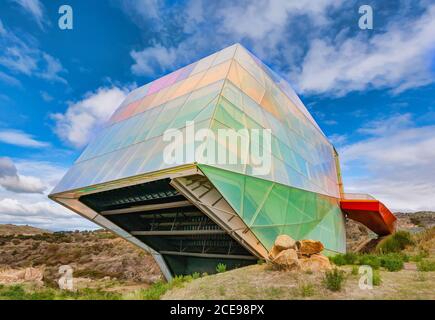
{"x": 148, "y": 207}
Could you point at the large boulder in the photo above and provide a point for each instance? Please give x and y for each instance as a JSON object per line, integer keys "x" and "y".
{"x": 284, "y": 242}
{"x": 274, "y": 252}
{"x": 287, "y": 260}
{"x": 315, "y": 263}
{"x": 309, "y": 247}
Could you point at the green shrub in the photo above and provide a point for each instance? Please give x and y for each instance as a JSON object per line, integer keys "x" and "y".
{"x": 196, "y": 275}
{"x": 343, "y": 259}
{"x": 306, "y": 290}
{"x": 426, "y": 265}
{"x": 376, "y": 278}
{"x": 158, "y": 289}
{"x": 355, "y": 270}
{"x": 369, "y": 260}
{"x": 334, "y": 279}
{"x": 392, "y": 262}
{"x": 155, "y": 291}
{"x": 420, "y": 255}
{"x": 395, "y": 242}
{"x": 221, "y": 268}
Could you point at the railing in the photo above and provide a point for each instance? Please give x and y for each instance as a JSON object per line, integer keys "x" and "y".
{"x": 357, "y": 196}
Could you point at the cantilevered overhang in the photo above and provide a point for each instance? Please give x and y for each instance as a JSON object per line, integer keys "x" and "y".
{"x": 176, "y": 215}
{"x": 371, "y": 213}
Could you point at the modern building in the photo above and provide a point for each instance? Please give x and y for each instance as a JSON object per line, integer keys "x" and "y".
{"x": 192, "y": 212}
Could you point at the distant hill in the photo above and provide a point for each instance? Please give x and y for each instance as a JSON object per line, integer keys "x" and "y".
{"x": 11, "y": 229}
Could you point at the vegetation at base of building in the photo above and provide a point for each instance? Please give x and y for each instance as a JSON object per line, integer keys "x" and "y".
{"x": 426, "y": 265}
{"x": 377, "y": 280}
{"x": 306, "y": 290}
{"x": 158, "y": 289}
{"x": 390, "y": 261}
{"x": 221, "y": 268}
{"x": 355, "y": 270}
{"x": 20, "y": 292}
{"x": 395, "y": 242}
{"x": 334, "y": 279}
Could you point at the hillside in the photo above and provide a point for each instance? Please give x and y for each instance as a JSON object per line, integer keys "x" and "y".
{"x": 261, "y": 282}
{"x": 108, "y": 267}
{"x": 11, "y": 229}
{"x": 96, "y": 257}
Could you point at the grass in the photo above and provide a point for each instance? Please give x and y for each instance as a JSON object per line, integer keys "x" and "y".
{"x": 395, "y": 242}
{"x": 221, "y": 268}
{"x": 426, "y": 265}
{"x": 390, "y": 261}
{"x": 376, "y": 278}
{"x": 306, "y": 290}
{"x": 334, "y": 279}
{"x": 158, "y": 289}
{"x": 21, "y": 292}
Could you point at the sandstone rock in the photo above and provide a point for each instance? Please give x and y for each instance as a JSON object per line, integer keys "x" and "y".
{"x": 287, "y": 259}
{"x": 309, "y": 247}
{"x": 274, "y": 252}
{"x": 284, "y": 242}
{"x": 315, "y": 263}
{"x": 33, "y": 274}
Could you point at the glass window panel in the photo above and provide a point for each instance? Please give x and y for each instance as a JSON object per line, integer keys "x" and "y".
{"x": 165, "y": 118}
{"x": 188, "y": 85}
{"x": 232, "y": 94}
{"x": 197, "y": 101}
{"x": 274, "y": 209}
{"x": 204, "y": 64}
{"x": 247, "y": 62}
{"x": 225, "y": 54}
{"x": 250, "y": 86}
{"x": 214, "y": 74}
{"x": 163, "y": 82}
{"x": 254, "y": 193}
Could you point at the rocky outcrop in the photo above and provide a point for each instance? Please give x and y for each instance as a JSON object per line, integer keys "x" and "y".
{"x": 305, "y": 255}
{"x": 309, "y": 247}
{"x": 287, "y": 260}
{"x": 34, "y": 275}
{"x": 315, "y": 263}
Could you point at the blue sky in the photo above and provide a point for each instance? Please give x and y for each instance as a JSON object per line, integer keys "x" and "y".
{"x": 371, "y": 91}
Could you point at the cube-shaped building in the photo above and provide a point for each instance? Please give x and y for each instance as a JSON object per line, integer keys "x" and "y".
{"x": 192, "y": 212}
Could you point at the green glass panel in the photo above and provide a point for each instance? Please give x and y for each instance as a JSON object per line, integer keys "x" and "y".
{"x": 293, "y": 231}
{"x": 255, "y": 192}
{"x": 274, "y": 209}
{"x": 228, "y": 183}
{"x": 267, "y": 235}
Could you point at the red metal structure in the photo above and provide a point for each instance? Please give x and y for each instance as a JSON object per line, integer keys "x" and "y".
{"x": 370, "y": 212}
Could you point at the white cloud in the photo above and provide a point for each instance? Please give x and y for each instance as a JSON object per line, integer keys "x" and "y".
{"x": 83, "y": 117}
{"x": 46, "y": 96}
{"x": 24, "y": 57}
{"x": 397, "y": 165}
{"x": 35, "y": 208}
{"x": 5, "y": 78}
{"x": 258, "y": 20}
{"x": 2, "y": 28}
{"x": 22, "y": 60}
{"x": 36, "y": 9}
{"x": 12, "y": 181}
{"x": 52, "y": 69}
{"x": 144, "y": 9}
{"x": 42, "y": 214}
{"x": 398, "y": 58}
{"x": 20, "y": 138}
{"x": 148, "y": 60}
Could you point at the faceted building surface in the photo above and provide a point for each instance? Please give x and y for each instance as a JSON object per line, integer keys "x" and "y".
{"x": 195, "y": 214}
